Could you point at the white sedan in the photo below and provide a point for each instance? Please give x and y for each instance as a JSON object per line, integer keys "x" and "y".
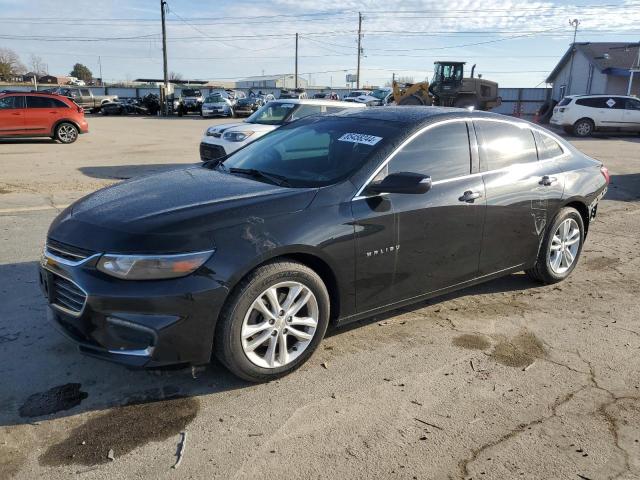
{"x": 221, "y": 140}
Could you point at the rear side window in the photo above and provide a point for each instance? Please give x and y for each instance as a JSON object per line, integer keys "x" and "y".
{"x": 503, "y": 144}
{"x": 601, "y": 102}
{"x": 10, "y": 103}
{"x": 564, "y": 101}
{"x": 441, "y": 152}
{"x": 548, "y": 147}
{"x": 44, "y": 102}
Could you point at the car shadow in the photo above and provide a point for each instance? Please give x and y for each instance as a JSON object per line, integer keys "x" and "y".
{"x": 123, "y": 172}
{"x": 624, "y": 188}
{"x": 509, "y": 283}
{"x": 45, "y": 377}
{"x": 41, "y": 371}
{"x": 35, "y": 140}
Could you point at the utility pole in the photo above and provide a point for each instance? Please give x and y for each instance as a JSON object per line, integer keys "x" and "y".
{"x": 296, "y": 61}
{"x": 359, "y": 49}
{"x": 100, "y": 64}
{"x": 575, "y": 22}
{"x": 634, "y": 69}
{"x": 163, "y": 3}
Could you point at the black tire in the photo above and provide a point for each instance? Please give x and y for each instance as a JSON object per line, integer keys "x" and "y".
{"x": 542, "y": 271}
{"x": 66, "y": 132}
{"x": 227, "y": 342}
{"x": 583, "y": 128}
{"x": 412, "y": 100}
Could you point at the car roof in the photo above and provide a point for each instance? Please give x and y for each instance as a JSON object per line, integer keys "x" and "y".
{"x": 599, "y": 95}
{"x": 416, "y": 115}
{"x": 319, "y": 101}
{"x": 16, "y": 92}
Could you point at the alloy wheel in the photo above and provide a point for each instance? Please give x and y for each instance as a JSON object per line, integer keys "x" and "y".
{"x": 67, "y": 133}
{"x": 564, "y": 246}
{"x": 583, "y": 129}
{"x": 279, "y": 325}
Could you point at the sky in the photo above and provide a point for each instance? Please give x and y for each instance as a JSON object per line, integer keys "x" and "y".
{"x": 516, "y": 43}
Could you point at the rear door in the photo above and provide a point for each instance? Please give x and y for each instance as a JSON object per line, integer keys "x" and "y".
{"x": 516, "y": 212}
{"x": 12, "y": 115}
{"x": 42, "y": 113}
{"x": 632, "y": 114}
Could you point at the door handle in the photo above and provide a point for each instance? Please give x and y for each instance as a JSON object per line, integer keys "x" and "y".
{"x": 469, "y": 196}
{"x": 547, "y": 181}
{"x": 16, "y": 113}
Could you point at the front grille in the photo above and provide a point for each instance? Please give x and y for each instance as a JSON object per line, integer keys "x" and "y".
{"x": 211, "y": 152}
{"x": 66, "y": 295}
{"x": 68, "y": 252}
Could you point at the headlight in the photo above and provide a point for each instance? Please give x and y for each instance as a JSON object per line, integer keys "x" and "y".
{"x": 211, "y": 131}
{"x": 152, "y": 267}
{"x": 236, "y": 136}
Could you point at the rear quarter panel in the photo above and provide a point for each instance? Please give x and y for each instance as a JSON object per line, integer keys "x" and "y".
{"x": 583, "y": 180}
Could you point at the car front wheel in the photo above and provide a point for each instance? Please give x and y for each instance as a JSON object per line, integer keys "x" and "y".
{"x": 66, "y": 132}
{"x": 273, "y": 321}
{"x": 560, "y": 248}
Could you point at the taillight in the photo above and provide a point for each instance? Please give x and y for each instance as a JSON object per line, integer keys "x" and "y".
{"x": 605, "y": 173}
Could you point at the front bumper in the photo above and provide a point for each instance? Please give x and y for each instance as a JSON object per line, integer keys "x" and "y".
{"x": 216, "y": 112}
{"x": 135, "y": 323}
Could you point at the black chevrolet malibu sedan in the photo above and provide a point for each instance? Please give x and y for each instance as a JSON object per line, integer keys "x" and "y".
{"x": 328, "y": 219}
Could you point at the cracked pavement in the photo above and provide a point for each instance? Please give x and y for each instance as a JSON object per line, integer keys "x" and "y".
{"x": 505, "y": 380}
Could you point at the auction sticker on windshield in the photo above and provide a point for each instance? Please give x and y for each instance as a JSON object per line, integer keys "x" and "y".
{"x": 360, "y": 138}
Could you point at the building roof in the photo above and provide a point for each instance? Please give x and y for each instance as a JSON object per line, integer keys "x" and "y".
{"x": 262, "y": 78}
{"x": 608, "y": 57}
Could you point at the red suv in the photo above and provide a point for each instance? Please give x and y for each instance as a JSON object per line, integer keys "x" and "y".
{"x": 34, "y": 114}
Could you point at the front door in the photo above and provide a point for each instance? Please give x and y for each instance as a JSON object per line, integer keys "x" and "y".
{"x": 516, "y": 195}
{"x": 632, "y": 114}
{"x": 12, "y": 115}
{"x": 421, "y": 243}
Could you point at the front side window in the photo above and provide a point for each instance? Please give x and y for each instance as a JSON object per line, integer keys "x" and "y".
{"x": 503, "y": 144}
{"x": 632, "y": 104}
{"x": 548, "y": 147}
{"x": 11, "y": 103}
{"x": 306, "y": 111}
{"x": 314, "y": 152}
{"x": 442, "y": 152}
{"x": 273, "y": 113}
{"x": 85, "y": 92}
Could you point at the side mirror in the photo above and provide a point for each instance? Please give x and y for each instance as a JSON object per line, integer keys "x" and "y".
{"x": 402, "y": 182}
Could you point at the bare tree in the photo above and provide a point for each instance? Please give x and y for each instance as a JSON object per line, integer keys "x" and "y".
{"x": 401, "y": 80}
{"x": 175, "y": 76}
{"x": 10, "y": 64}
{"x": 37, "y": 65}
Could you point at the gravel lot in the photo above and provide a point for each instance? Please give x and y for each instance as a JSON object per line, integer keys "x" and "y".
{"x": 504, "y": 380}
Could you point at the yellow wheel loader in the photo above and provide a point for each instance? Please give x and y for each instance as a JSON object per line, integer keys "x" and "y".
{"x": 449, "y": 88}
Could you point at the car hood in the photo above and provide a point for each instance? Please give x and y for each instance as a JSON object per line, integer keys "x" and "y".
{"x": 175, "y": 211}
{"x": 243, "y": 127}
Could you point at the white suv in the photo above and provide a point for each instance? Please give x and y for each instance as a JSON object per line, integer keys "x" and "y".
{"x": 221, "y": 140}
{"x": 584, "y": 114}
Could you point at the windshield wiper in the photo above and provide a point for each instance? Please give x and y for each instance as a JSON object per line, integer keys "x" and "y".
{"x": 272, "y": 177}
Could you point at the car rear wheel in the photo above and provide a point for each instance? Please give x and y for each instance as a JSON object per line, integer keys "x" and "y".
{"x": 273, "y": 321}
{"x": 583, "y": 128}
{"x": 560, "y": 249}
{"x": 66, "y": 132}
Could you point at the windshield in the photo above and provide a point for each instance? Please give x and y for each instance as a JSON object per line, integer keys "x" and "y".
{"x": 314, "y": 152}
{"x": 190, "y": 93}
{"x": 380, "y": 94}
{"x": 217, "y": 98}
{"x": 273, "y": 113}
